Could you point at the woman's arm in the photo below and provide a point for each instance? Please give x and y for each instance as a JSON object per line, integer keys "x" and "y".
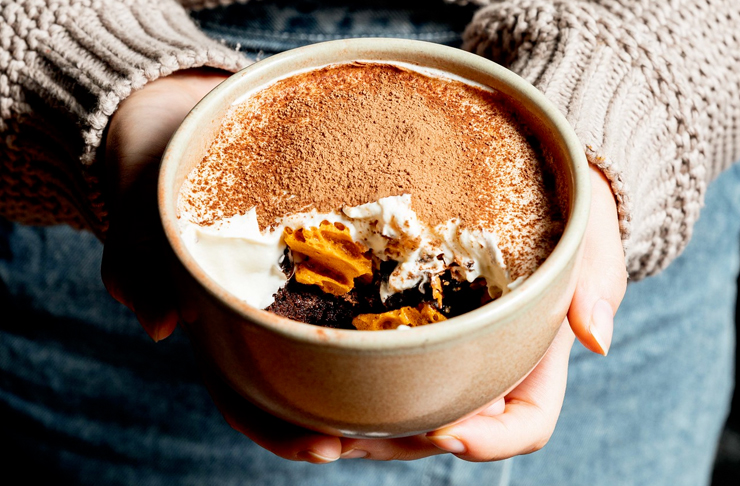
{"x": 652, "y": 89}
{"x": 64, "y": 68}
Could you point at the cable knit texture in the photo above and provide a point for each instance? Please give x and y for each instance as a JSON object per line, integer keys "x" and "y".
{"x": 651, "y": 87}
{"x": 64, "y": 68}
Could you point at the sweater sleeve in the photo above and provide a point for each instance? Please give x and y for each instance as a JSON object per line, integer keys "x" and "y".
{"x": 65, "y": 65}
{"x": 652, "y": 89}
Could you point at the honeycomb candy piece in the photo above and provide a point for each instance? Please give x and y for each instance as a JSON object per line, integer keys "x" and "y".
{"x": 430, "y": 315}
{"x": 332, "y": 260}
{"x": 437, "y": 290}
{"x": 406, "y": 316}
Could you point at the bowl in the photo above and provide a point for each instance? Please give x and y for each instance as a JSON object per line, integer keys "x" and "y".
{"x": 377, "y": 384}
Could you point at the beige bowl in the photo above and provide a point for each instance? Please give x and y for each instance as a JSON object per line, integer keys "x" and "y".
{"x": 376, "y": 384}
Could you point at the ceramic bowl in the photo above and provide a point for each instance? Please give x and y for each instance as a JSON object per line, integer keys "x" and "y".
{"x": 389, "y": 383}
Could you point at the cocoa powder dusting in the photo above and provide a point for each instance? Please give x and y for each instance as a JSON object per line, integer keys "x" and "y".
{"x": 350, "y": 134}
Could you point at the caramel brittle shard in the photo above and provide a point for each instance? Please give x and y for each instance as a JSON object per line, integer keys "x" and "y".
{"x": 437, "y": 290}
{"x": 405, "y": 316}
{"x": 331, "y": 259}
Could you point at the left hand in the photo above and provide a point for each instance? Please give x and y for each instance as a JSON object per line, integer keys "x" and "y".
{"x": 134, "y": 268}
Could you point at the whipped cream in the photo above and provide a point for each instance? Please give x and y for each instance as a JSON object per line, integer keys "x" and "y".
{"x": 246, "y": 261}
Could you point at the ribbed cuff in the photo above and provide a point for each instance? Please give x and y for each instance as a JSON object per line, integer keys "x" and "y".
{"x": 202, "y": 4}
{"x": 599, "y": 69}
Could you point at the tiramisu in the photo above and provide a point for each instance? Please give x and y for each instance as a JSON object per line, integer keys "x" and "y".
{"x": 371, "y": 196}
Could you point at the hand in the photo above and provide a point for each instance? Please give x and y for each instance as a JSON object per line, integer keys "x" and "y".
{"x": 134, "y": 273}
{"x": 517, "y": 424}
{"x": 520, "y": 423}
{"x": 133, "y": 269}
{"x": 603, "y": 276}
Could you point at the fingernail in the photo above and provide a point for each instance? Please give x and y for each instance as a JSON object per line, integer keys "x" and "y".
{"x": 159, "y": 328}
{"x": 315, "y": 458}
{"x": 448, "y": 443}
{"x": 602, "y": 323}
{"x": 157, "y": 334}
{"x": 152, "y": 332}
{"x": 354, "y": 454}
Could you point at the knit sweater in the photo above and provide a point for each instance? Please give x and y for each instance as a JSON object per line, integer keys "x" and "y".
{"x": 651, "y": 87}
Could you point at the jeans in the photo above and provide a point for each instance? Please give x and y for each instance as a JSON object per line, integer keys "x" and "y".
{"x": 264, "y": 28}
{"x": 87, "y": 398}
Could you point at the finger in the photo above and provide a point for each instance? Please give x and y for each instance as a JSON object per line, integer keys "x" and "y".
{"x": 603, "y": 275}
{"x": 135, "y": 273}
{"x": 109, "y": 273}
{"x": 401, "y": 449}
{"x": 134, "y": 266}
{"x": 277, "y": 436}
{"x": 523, "y": 430}
{"x": 153, "y": 304}
{"x": 149, "y": 297}
{"x": 529, "y": 417}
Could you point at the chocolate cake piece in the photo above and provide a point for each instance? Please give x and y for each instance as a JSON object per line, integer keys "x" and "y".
{"x": 309, "y": 304}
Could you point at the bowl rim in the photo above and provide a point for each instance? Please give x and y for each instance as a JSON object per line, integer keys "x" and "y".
{"x": 465, "y": 326}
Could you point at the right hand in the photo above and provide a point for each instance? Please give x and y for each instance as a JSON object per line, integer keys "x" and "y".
{"x": 521, "y": 422}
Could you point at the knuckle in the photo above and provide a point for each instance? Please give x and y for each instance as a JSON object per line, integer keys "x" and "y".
{"x": 233, "y": 423}
{"x": 539, "y": 444}
{"x": 397, "y": 455}
{"x": 546, "y": 428}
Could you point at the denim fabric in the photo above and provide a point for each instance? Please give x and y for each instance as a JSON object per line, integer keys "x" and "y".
{"x": 87, "y": 398}
{"x": 264, "y": 28}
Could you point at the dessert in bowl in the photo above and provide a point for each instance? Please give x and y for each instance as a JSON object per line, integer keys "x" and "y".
{"x": 431, "y": 174}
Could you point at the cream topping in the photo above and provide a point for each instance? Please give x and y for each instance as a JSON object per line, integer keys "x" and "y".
{"x": 246, "y": 261}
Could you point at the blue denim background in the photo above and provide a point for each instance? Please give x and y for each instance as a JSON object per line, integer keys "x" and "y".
{"x": 87, "y": 398}
{"x": 263, "y": 28}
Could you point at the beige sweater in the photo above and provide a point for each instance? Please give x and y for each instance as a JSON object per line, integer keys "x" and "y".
{"x": 652, "y": 88}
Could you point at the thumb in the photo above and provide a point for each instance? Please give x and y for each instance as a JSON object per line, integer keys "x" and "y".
{"x": 603, "y": 276}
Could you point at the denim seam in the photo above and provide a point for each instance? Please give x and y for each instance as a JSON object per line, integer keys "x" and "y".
{"x": 505, "y": 478}
{"x": 431, "y": 36}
